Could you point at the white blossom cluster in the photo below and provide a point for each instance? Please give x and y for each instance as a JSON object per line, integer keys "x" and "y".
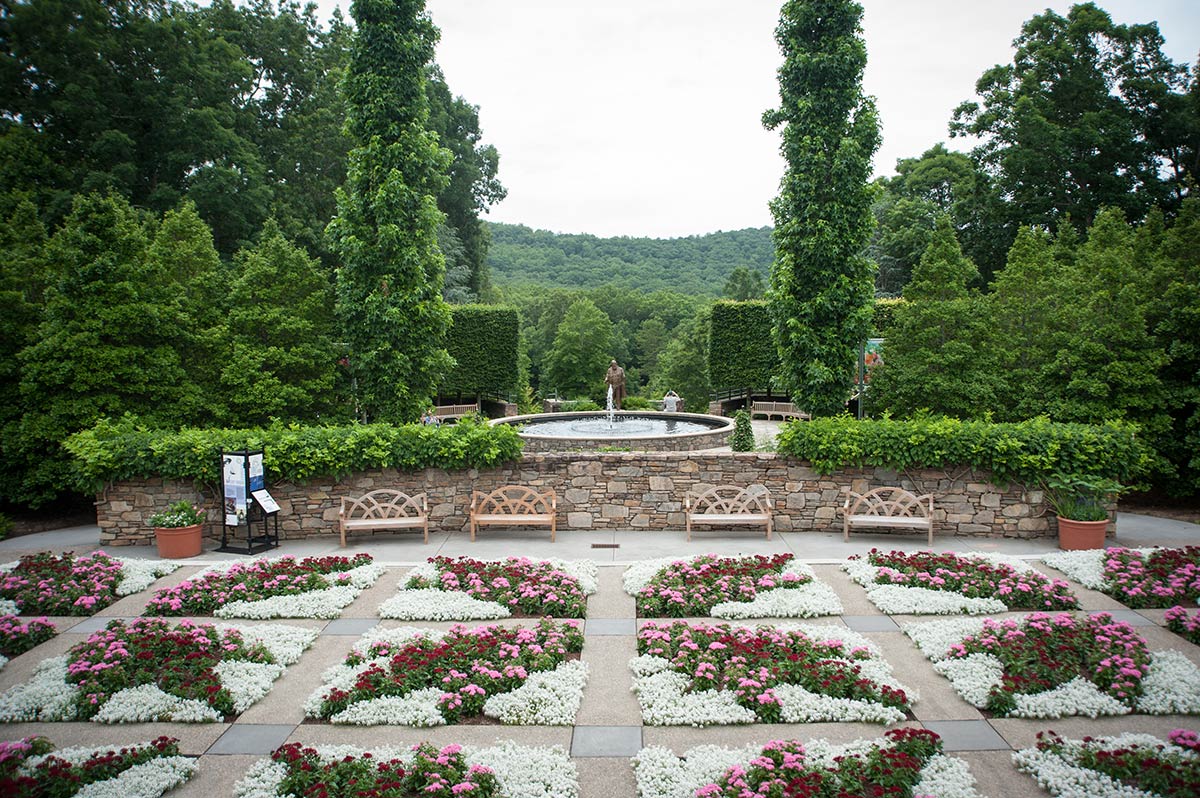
{"x": 1061, "y": 775}
{"x": 326, "y": 603}
{"x": 8, "y": 606}
{"x": 137, "y": 575}
{"x": 430, "y": 604}
{"x": 547, "y": 698}
{"x": 3, "y": 661}
{"x": 146, "y": 780}
{"x": 521, "y": 771}
{"x": 906, "y": 600}
{"x": 1085, "y": 567}
{"x": 662, "y": 774}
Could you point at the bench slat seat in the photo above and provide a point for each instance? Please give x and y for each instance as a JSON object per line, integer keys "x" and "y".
{"x": 514, "y": 505}
{"x": 887, "y": 508}
{"x": 728, "y": 505}
{"x": 383, "y": 509}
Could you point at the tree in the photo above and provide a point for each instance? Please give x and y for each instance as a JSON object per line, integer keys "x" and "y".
{"x": 683, "y": 365}
{"x": 278, "y": 353}
{"x": 744, "y": 284}
{"x": 1088, "y": 115}
{"x": 821, "y": 285}
{"x": 576, "y": 363}
{"x": 390, "y": 280}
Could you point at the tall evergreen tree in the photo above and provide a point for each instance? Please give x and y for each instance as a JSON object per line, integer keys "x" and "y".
{"x": 821, "y": 285}
{"x": 577, "y": 361}
{"x": 390, "y": 275}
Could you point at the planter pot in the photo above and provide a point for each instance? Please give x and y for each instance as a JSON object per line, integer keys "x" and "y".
{"x": 1077, "y": 535}
{"x": 177, "y": 542}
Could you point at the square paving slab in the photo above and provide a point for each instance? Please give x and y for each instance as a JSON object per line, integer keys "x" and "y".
{"x": 967, "y": 735}
{"x": 252, "y": 738}
{"x": 606, "y": 741}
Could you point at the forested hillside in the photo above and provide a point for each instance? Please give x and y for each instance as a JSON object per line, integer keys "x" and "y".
{"x": 697, "y": 265}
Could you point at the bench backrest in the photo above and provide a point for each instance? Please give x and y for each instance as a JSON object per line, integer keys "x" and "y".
{"x": 728, "y": 499}
{"x": 890, "y": 502}
{"x": 383, "y": 503}
{"x": 514, "y": 500}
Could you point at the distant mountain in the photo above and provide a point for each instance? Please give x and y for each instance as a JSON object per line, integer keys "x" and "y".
{"x": 691, "y": 265}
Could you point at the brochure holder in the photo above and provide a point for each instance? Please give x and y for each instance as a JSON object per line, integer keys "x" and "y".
{"x": 250, "y": 513}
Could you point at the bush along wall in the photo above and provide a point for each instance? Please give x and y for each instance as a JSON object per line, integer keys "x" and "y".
{"x": 741, "y": 353}
{"x": 483, "y": 341}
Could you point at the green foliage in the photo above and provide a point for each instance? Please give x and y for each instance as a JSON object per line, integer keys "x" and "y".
{"x": 580, "y": 406}
{"x": 179, "y": 514}
{"x": 6, "y": 526}
{"x": 1029, "y": 452}
{"x": 693, "y": 265}
{"x": 579, "y": 357}
{"x": 885, "y": 316}
{"x": 683, "y": 365}
{"x": 126, "y": 449}
{"x": 390, "y": 281}
{"x": 636, "y": 403}
{"x": 1081, "y": 498}
{"x": 741, "y": 353}
{"x": 821, "y": 285}
{"x": 943, "y": 273}
{"x": 744, "y": 284}
{"x": 484, "y": 342}
{"x": 742, "y": 439}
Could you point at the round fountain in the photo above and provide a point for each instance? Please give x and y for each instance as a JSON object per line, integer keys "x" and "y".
{"x": 621, "y": 429}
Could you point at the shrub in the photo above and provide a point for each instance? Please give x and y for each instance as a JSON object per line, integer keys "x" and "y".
{"x": 483, "y": 342}
{"x": 743, "y": 433}
{"x": 579, "y": 406}
{"x": 741, "y": 353}
{"x": 635, "y": 403}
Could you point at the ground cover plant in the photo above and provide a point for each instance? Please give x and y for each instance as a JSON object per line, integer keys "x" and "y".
{"x": 284, "y": 587}
{"x": 1050, "y": 666}
{"x": 1183, "y": 623}
{"x": 462, "y": 588}
{"x": 940, "y": 583}
{"x": 505, "y": 769}
{"x": 902, "y": 762}
{"x": 147, "y": 669}
{"x": 757, "y": 586}
{"x": 418, "y": 677}
{"x": 31, "y": 768}
{"x": 1137, "y": 578}
{"x": 1115, "y": 767}
{"x": 700, "y": 674}
{"x": 17, "y": 636}
{"x": 54, "y": 584}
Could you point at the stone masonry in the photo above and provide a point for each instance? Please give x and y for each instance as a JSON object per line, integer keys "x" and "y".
{"x": 610, "y": 490}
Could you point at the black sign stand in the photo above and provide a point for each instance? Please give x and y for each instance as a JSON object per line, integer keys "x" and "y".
{"x": 245, "y": 502}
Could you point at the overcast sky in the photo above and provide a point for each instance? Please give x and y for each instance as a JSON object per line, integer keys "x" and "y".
{"x": 643, "y": 117}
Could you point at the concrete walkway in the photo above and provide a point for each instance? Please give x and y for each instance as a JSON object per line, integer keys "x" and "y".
{"x": 608, "y": 729}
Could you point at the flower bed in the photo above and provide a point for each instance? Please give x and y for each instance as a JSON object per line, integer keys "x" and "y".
{"x": 932, "y": 583}
{"x": 461, "y": 589}
{"x": 31, "y": 768}
{"x": 315, "y": 587}
{"x": 17, "y": 636}
{"x": 50, "y": 584}
{"x": 148, "y": 670}
{"x": 729, "y": 587}
{"x": 418, "y": 677}
{"x": 1129, "y": 766}
{"x": 1181, "y": 623}
{"x": 507, "y": 769}
{"x": 699, "y": 675}
{"x": 1137, "y": 578}
{"x": 903, "y": 762}
{"x": 1044, "y": 666}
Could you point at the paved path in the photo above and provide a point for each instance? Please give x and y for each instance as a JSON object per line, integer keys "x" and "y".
{"x": 608, "y": 729}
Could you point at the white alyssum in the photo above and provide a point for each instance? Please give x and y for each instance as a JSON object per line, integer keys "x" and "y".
{"x": 662, "y": 774}
{"x": 521, "y": 771}
{"x": 324, "y": 603}
{"x": 907, "y": 600}
{"x": 973, "y": 676}
{"x": 1062, "y": 775}
{"x": 46, "y": 696}
{"x": 137, "y": 575}
{"x": 3, "y": 661}
{"x": 1171, "y": 686}
{"x": 418, "y": 708}
{"x": 1085, "y": 567}
{"x": 147, "y": 702}
{"x": 430, "y": 604}
{"x": 9, "y": 607}
{"x": 146, "y": 780}
{"x": 935, "y": 638}
{"x": 547, "y": 698}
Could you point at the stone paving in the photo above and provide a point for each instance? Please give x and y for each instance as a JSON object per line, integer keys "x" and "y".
{"x": 608, "y": 729}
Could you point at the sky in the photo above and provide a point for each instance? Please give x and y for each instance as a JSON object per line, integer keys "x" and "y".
{"x": 643, "y": 117}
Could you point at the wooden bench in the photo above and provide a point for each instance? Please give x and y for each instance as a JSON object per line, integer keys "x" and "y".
{"x": 785, "y": 411}
{"x": 887, "y": 508}
{"x": 514, "y": 505}
{"x": 455, "y": 412}
{"x": 728, "y": 505}
{"x": 383, "y": 509}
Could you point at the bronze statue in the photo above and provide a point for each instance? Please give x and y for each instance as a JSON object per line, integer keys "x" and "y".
{"x": 615, "y": 377}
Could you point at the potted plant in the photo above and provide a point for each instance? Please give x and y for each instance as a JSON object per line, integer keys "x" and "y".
{"x": 1081, "y": 505}
{"x": 178, "y": 530}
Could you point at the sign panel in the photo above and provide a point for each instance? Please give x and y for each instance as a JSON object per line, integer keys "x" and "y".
{"x": 266, "y": 501}
{"x": 234, "y": 478}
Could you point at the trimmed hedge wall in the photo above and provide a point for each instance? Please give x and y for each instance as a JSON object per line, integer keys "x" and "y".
{"x": 483, "y": 339}
{"x": 1028, "y": 452}
{"x": 741, "y": 353}
{"x": 114, "y": 451}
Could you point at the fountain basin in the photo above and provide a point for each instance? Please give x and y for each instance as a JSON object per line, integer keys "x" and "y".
{"x": 633, "y": 430}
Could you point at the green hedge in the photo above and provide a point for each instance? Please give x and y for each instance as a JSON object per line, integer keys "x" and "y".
{"x": 114, "y": 451}
{"x": 1028, "y": 452}
{"x": 885, "y": 316}
{"x": 741, "y": 353}
{"x": 483, "y": 340}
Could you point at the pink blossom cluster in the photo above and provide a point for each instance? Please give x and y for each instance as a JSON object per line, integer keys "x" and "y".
{"x": 17, "y": 636}
{"x": 1159, "y": 579}
{"x": 49, "y": 584}
{"x": 693, "y": 587}
{"x": 525, "y": 586}
{"x": 433, "y": 773}
{"x": 1181, "y": 622}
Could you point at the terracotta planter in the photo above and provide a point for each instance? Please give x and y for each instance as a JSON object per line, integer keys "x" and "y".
{"x": 176, "y": 542}
{"x": 1077, "y": 535}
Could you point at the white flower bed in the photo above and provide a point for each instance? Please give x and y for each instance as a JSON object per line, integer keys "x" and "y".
{"x": 662, "y": 774}
{"x": 48, "y": 696}
{"x": 326, "y": 603}
{"x": 906, "y": 600}
{"x": 146, "y": 780}
{"x": 1061, "y": 775}
{"x": 666, "y": 701}
{"x": 8, "y": 606}
{"x": 137, "y": 575}
{"x": 1085, "y": 567}
{"x": 1172, "y": 684}
{"x": 521, "y": 771}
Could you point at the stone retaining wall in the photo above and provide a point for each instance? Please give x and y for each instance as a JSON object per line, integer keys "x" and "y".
{"x": 611, "y": 490}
